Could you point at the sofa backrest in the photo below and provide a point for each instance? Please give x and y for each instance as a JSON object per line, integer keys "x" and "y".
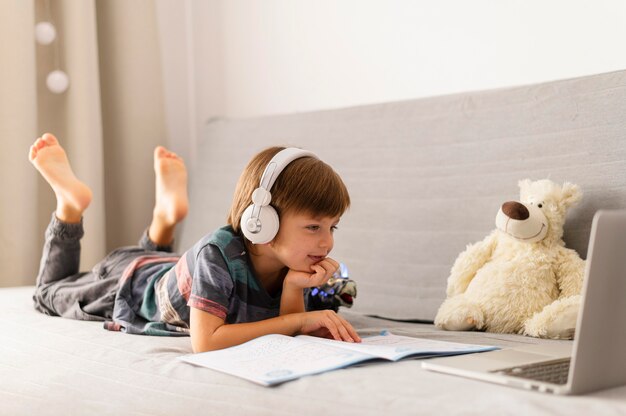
{"x": 427, "y": 176}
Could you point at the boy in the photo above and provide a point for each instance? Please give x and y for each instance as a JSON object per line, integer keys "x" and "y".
{"x": 223, "y": 291}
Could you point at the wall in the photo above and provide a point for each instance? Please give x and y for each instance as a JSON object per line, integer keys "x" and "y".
{"x": 283, "y": 56}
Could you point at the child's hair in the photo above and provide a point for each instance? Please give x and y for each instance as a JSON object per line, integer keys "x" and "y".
{"x": 306, "y": 185}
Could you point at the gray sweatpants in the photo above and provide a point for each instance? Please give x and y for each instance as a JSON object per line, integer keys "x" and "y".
{"x": 62, "y": 290}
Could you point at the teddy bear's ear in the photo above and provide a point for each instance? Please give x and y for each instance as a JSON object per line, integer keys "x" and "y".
{"x": 571, "y": 194}
{"x": 524, "y": 188}
{"x": 524, "y": 184}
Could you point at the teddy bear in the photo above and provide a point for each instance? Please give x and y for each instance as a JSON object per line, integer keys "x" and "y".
{"x": 521, "y": 278}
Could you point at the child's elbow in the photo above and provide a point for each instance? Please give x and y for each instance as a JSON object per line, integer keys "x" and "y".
{"x": 203, "y": 341}
{"x": 203, "y": 346}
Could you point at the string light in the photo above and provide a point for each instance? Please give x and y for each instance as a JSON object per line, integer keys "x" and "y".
{"x": 46, "y": 34}
{"x": 57, "y": 81}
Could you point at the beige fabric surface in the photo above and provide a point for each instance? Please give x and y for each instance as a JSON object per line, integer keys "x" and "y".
{"x": 52, "y": 366}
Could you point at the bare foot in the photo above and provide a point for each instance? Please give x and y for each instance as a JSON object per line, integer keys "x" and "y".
{"x": 172, "y": 203}
{"x": 72, "y": 195}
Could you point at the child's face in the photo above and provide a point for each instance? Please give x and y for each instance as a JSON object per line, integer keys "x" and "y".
{"x": 304, "y": 240}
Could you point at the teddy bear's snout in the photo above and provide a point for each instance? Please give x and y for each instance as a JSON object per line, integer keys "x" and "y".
{"x": 515, "y": 210}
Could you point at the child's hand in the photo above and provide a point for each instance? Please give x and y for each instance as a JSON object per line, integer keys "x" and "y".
{"x": 322, "y": 271}
{"x": 327, "y": 324}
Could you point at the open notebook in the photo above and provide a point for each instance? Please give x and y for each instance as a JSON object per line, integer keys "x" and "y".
{"x": 274, "y": 359}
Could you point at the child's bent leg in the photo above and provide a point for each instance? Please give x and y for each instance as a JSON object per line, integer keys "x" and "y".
{"x": 171, "y": 197}
{"x": 61, "y": 254}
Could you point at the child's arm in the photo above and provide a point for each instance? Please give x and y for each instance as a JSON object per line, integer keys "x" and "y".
{"x": 292, "y": 298}
{"x": 209, "y": 332}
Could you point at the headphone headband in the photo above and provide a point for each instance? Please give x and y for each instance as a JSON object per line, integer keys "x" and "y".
{"x": 280, "y": 162}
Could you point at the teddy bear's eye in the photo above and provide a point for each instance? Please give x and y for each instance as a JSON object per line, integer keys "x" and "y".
{"x": 540, "y": 205}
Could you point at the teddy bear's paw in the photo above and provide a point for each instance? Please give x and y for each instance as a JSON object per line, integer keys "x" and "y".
{"x": 555, "y": 321}
{"x": 456, "y": 314}
{"x": 555, "y": 330}
{"x": 564, "y": 326}
{"x": 458, "y": 324}
{"x": 532, "y": 329}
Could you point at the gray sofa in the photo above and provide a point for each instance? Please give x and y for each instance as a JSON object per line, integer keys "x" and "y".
{"x": 426, "y": 178}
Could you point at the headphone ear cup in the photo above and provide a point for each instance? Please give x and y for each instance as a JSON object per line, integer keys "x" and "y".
{"x": 268, "y": 218}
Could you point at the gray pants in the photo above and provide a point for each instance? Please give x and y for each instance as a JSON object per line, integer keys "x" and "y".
{"x": 61, "y": 290}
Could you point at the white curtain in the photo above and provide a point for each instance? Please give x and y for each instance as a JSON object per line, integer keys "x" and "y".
{"x": 109, "y": 121}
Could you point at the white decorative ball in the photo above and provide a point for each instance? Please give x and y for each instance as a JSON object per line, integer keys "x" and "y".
{"x": 57, "y": 81}
{"x": 45, "y": 33}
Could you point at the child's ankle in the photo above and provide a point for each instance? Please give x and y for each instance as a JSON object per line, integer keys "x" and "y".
{"x": 68, "y": 216}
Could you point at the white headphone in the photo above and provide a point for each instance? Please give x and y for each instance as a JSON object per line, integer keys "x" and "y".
{"x": 259, "y": 222}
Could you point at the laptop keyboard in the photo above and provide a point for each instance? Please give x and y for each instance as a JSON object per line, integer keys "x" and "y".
{"x": 551, "y": 371}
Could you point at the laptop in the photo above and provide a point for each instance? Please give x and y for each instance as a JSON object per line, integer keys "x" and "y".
{"x": 596, "y": 359}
